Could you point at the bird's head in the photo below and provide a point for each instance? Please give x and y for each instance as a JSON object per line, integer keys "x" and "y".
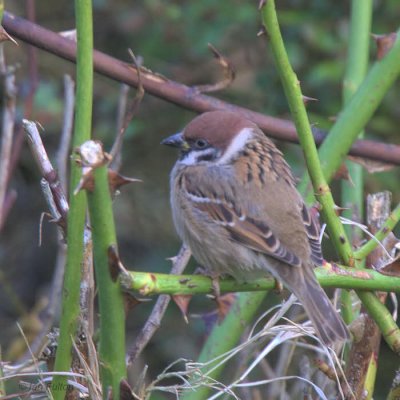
{"x": 215, "y": 137}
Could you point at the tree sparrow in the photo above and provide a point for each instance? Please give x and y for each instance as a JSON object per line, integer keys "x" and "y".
{"x": 234, "y": 203}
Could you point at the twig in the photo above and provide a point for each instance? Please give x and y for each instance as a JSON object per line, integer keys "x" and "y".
{"x": 122, "y": 104}
{"x": 48, "y": 313}
{"x": 58, "y": 207}
{"x": 363, "y": 356}
{"x": 181, "y": 94}
{"x": 153, "y": 323}
{"x": 228, "y": 71}
{"x": 58, "y": 197}
{"x": 131, "y": 110}
{"x": 7, "y": 133}
{"x": 387, "y": 227}
{"x": 32, "y": 65}
{"x": 65, "y": 142}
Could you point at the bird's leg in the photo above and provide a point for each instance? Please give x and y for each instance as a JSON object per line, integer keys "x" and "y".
{"x": 215, "y": 290}
{"x": 278, "y": 286}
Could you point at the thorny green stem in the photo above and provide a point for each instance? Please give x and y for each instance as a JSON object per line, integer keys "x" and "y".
{"x": 294, "y": 97}
{"x": 77, "y": 203}
{"x": 317, "y": 174}
{"x": 112, "y": 314}
{"x": 329, "y": 276}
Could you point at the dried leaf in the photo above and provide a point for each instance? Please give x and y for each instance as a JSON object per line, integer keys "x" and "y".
{"x": 326, "y": 369}
{"x": 343, "y": 173}
{"x": 224, "y": 304}
{"x": 384, "y": 43}
{"x": 372, "y": 166}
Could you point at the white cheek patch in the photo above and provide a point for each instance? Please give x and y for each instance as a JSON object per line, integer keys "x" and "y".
{"x": 236, "y": 145}
{"x": 189, "y": 158}
{"x": 195, "y": 157}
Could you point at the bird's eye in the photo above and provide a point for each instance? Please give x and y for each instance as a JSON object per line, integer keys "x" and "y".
{"x": 200, "y": 144}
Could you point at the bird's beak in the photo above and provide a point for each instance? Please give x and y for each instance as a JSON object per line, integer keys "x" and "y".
{"x": 176, "y": 140}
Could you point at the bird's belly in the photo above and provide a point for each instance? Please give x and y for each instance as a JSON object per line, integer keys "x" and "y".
{"x": 219, "y": 256}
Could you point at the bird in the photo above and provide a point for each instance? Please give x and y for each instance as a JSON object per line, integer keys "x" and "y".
{"x": 235, "y": 205}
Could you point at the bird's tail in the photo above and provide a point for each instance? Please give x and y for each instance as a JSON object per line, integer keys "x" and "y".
{"x": 327, "y": 322}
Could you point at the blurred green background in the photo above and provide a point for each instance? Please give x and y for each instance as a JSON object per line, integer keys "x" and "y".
{"x": 172, "y": 38}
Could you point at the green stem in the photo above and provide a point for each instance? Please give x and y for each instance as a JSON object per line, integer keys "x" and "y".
{"x": 329, "y": 276}
{"x": 356, "y": 68}
{"x": 358, "y": 111}
{"x": 223, "y": 338}
{"x": 112, "y": 315}
{"x": 366, "y": 94}
{"x": 77, "y": 203}
{"x": 294, "y": 97}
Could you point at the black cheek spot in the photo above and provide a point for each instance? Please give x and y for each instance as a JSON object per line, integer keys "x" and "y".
{"x": 206, "y": 157}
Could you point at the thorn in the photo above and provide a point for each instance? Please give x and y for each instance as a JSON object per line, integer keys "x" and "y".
{"x": 4, "y": 36}
{"x": 261, "y": 4}
{"x": 130, "y": 302}
{"x": 116, "y": 180}
{"x": 69, "y": 34}
{"x": 307, "y": 99}
{"x": 384, "y": 43}
{"x": 262, "y": 31}
{"x": 182, "y": 301}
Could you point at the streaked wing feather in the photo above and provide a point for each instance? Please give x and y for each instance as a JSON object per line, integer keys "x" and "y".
{"x": 312, "y": 229}
{"x": 249, "y": 232}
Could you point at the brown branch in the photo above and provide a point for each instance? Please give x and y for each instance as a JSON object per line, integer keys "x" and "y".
{"x": 129, "y": 114}
{"x": 177, "y": 93}
{"x": 64, "y": 151}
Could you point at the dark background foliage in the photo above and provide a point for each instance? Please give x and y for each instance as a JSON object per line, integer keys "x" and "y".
{"x": 172, "y": 38}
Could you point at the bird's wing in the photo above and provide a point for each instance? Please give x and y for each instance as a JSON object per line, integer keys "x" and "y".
{"x": 248, "y": 231}
{"x": 313, "y": 233}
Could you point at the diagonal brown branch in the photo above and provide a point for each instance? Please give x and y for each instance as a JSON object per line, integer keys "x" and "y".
{"x": 177, "y": 93}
